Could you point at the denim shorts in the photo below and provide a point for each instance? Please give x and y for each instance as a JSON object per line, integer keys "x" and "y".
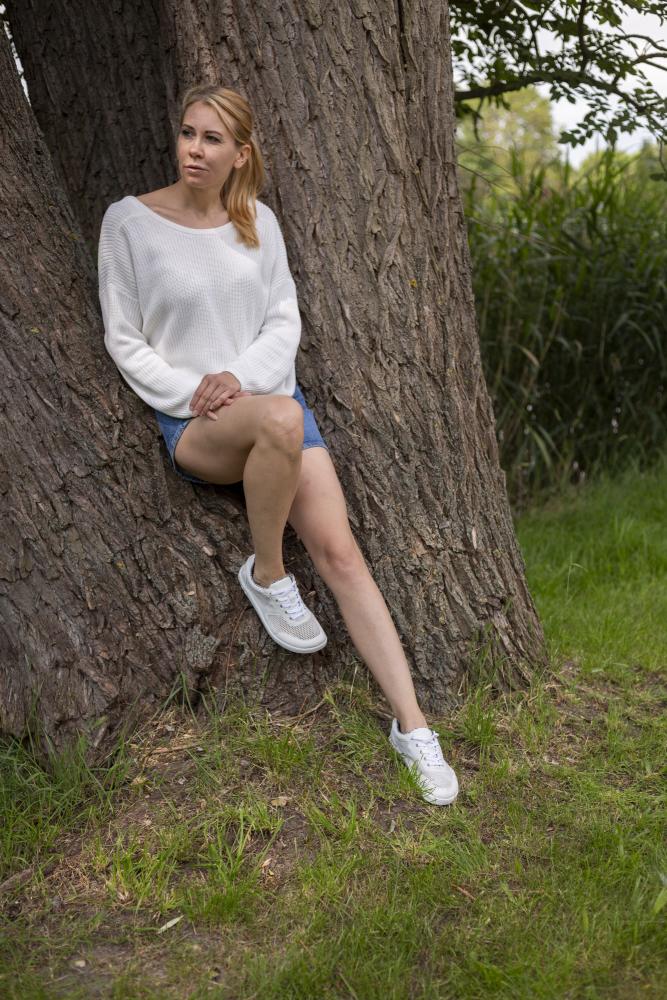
{"x": 173, "y": 427}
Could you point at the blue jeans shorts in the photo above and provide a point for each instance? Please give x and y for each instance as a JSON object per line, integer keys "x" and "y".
{"x": 173, "y": 427}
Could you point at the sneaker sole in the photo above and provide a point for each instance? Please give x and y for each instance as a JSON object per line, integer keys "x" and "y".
{"x": 279, "y": 642}
{"x": 435, "y": 798}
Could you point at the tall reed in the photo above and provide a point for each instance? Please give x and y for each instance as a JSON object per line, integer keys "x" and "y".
{"x": 570, "y": 278}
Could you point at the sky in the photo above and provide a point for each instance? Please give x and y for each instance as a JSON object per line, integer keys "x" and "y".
{"x": 566, "y": 114}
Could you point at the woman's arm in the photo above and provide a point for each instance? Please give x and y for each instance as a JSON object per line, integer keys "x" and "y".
{"x": 265, "y": 364}
{"x": 159, "y": 384}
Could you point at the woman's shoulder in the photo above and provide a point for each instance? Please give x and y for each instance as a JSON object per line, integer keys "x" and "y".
{"x": 265, "y": 213}
{"x": 270, "y": 228}
{"x": 118, "y": 211}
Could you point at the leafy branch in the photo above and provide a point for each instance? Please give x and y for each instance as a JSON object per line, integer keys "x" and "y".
{"x": 577, "y": 47}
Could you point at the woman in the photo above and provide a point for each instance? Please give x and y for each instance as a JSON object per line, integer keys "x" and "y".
{"x": 201, "y": 318}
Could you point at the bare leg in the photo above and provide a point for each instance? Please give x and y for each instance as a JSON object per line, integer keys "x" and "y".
{"x": 266, "y": 451}
{"x": 270, "y": 480}
{"x": 319, "y": 516}
{"x": 374, "y": 636}
{"x": 258, "y": 438}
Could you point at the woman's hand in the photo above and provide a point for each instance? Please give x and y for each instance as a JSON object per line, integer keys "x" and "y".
{"x": 214, "y": 391}
{"x": 241, "y": 392}
{"x": 228, "y": 402}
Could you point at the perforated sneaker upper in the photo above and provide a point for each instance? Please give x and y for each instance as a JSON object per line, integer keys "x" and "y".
{"x": 281, "y": 608}
{"x": 306, "y": 629}
{"x": 421, "y": 747}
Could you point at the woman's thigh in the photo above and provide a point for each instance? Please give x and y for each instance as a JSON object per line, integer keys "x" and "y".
{"x": 217, "y": 450}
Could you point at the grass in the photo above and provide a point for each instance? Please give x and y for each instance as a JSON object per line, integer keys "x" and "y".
{"x": 243, "y": 855}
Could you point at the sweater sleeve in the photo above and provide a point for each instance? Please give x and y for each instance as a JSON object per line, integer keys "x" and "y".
{"x": 159, "y": 384}
{"x": 267, "y": 361}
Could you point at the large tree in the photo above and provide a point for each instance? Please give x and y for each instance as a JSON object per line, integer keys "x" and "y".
{"x": 119, "y": 578}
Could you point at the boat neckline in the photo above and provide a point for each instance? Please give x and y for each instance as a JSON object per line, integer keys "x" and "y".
{"x": 177, "y": 225}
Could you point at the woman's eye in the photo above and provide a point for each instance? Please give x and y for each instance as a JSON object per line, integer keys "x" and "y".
{"x": 188, "y": 132}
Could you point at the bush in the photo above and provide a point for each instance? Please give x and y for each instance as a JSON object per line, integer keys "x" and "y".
{"x": 570, "y": 273}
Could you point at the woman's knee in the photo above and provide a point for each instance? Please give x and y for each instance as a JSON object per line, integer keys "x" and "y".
{"x": 338, "y": 557}
{"x": 282, "y": 422}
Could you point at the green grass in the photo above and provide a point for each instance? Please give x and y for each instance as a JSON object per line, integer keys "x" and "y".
{"x": 598, "y": 569}
{"x": 243, "y": 856}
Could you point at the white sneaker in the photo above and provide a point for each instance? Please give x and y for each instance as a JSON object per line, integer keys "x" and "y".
{"x": 282, "y": 612}
{"x": 421, "y": 751}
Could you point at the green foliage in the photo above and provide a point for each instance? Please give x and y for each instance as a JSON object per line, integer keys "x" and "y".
{"x": 569, "y": 276}
{"x": 485, "y": 144}
{"x": 578, "y": 50}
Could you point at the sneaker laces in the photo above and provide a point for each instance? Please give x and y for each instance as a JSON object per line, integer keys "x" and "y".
{"x": 290, "y": 601}
{"x": 430, "y": 750}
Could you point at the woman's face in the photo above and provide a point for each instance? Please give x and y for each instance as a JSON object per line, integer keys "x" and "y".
{"x": 205, "y": 142}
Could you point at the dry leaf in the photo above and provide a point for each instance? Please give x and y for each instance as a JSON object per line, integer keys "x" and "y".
{"x": 170, "y": 923}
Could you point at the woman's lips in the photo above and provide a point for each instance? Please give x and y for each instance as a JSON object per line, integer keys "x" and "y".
{"x": 190, "y": 166}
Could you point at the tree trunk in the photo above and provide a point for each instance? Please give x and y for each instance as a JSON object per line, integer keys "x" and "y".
{"x": 119, "y": 577}
{"x": 117, "y": 581}
{"x": 101, "y": 89}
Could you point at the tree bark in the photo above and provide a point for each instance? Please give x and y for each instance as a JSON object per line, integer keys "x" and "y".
{"x": 117, "y": 582}
{"x": 98, "y": 82}
{"x": 120, "y": 577}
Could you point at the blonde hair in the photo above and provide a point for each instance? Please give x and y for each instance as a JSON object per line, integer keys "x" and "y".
{"x": 241, "y": 188}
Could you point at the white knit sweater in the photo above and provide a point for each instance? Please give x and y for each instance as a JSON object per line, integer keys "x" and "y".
{"x": 179, "y": 303}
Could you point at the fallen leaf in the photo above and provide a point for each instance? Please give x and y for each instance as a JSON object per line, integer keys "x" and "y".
{"x": 170, "y": 923}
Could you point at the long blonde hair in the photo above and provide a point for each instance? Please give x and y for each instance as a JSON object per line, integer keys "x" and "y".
{"x": 243, "y": 185}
